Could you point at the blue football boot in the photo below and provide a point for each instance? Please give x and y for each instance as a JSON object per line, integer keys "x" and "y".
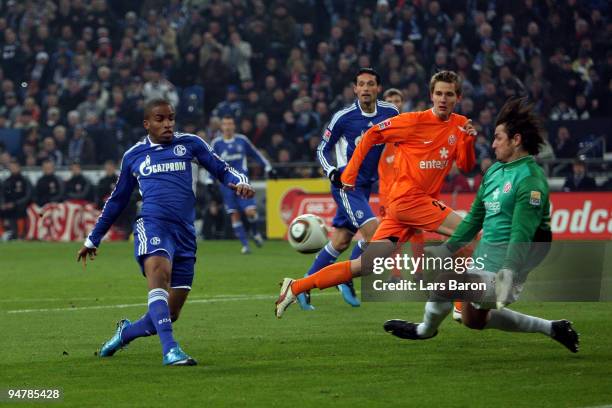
{"x": 348, "y": 293}
{"x": 115, "y": 343}
{"x": 304, "y": 301}
{"x": 177, "y": 357}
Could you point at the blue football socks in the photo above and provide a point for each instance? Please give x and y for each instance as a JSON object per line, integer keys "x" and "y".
{"x": 240, "y": 234}
{"x": 160, "y": 315}
{"x": 325, "y": 257}
{"x": 143, "y": 327}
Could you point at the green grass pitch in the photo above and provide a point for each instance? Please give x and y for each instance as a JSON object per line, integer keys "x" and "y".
{"x": 55, "y": 315}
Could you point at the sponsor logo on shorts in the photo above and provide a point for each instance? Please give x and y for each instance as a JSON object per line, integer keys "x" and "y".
{"x": 180, "y": 150}
{"x": 359, "y": 214}
{"x": 155, "y": 241}
{"x": 535, "y": 198}
{"x": 507, "y": 187}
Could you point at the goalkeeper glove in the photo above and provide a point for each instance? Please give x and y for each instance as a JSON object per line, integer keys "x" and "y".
{"x": 504, "y": 282}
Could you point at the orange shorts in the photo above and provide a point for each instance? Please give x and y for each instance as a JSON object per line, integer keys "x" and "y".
{"x": 412, "y": 212}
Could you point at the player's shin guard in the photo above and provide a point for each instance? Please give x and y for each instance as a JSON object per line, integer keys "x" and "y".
{"x": 143, "y": 327}
{"x": 509, "y": 320}
{"x": 435, "y": 313}
{"x": 327, "y": 277}
{"x": 160, "y": 315}
{"x": 240, "y": 233}
{"x": 325, "y": 257}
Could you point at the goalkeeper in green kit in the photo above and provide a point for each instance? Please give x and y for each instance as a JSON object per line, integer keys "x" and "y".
{"x": 512, "y": 208}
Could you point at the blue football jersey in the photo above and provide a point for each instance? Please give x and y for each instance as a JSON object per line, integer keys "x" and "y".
{"x": 344, "y": 132}
{"x": 163, "y": 173}
{"x": 236, "y": 150}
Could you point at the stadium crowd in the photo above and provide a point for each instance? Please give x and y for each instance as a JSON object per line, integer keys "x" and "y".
{"x": 75, "y": 73}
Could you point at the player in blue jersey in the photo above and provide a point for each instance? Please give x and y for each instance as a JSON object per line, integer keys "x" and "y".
{"x": 164, "y": 234}
{"x": 353, "y": 213}
{"x": 235, "y": 149}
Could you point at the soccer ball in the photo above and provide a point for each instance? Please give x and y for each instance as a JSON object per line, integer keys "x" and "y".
{"x": 307, "y": 233}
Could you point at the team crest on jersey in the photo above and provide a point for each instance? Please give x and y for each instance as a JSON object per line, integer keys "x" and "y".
{"x": 155, "y": 241}
{"x": 507, "y": 187}
{"x": 384, "y": 124}
{"x": 535, "y": 198}
{"x": 180, "y": 150}
{"x": 452, "y": 139}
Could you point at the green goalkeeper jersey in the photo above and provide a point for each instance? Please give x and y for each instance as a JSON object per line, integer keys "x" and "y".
{"x": 511, "y": 205}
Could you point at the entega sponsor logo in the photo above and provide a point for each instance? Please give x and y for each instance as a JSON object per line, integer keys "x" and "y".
{"x": 433, "y": 164}
{"x": 146, "y": 168}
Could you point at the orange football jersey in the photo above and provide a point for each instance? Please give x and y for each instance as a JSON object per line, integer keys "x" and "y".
{"x": 426, "y": 147}
{"x": 386, "y": 172}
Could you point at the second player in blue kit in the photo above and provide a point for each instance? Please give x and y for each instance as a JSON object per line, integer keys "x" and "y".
{"x": 235, "y": 149}
{"x": 353, "y": 213}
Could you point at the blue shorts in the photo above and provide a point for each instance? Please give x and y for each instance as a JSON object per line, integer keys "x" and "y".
{"x": 353, "y": 208}
{"x": 233, "y": 203}
{"x": 173, "y": 241}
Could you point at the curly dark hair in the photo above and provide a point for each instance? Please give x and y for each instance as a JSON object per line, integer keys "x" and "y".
{"x": 518, "y": 117}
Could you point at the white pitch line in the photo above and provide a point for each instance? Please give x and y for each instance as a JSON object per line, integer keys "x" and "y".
{"x": 221, "y": 298}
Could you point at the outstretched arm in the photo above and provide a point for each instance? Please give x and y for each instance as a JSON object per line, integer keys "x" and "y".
{"x": 115, "y": 204}
{"x": 392, "y": 130}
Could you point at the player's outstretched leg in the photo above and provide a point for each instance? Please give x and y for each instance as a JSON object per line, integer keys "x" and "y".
{"x": 348, "y": 289}
{"x": 327, "y": 277}
{"x": 435, "y": 313}
{"x": 509, "y": 320}
{"x": 325, "y": 257}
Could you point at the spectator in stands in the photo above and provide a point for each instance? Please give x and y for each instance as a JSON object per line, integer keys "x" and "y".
{"x": 579, "y": 180}
{"x": 49, "y": 188}
{"x": 81, "y": 147}
{"x": 15, "y": 196}
{"x": 563, "y": 111}
{"x": 455, "y": 182}
{"x": 159, "y": 87}
{"x": 231, "y": 105}
{"x": 306, "y": 120}
{"x": 78, "y": 187}
{"x": 582, "y": 108}
{"x": 60, "y": 135}
{"x": 50, "y": 152}
{"x": 566, "y": 147}
{"x": 106, "y": 184}
{"x": 237, "y": 55}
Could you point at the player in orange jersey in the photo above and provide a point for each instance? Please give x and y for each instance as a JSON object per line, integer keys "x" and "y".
{"x": 427, "y": 143}
{"x": 386, "y": 177}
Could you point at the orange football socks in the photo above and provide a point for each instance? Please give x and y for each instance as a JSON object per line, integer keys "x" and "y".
{"x": 327, "y": 277}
